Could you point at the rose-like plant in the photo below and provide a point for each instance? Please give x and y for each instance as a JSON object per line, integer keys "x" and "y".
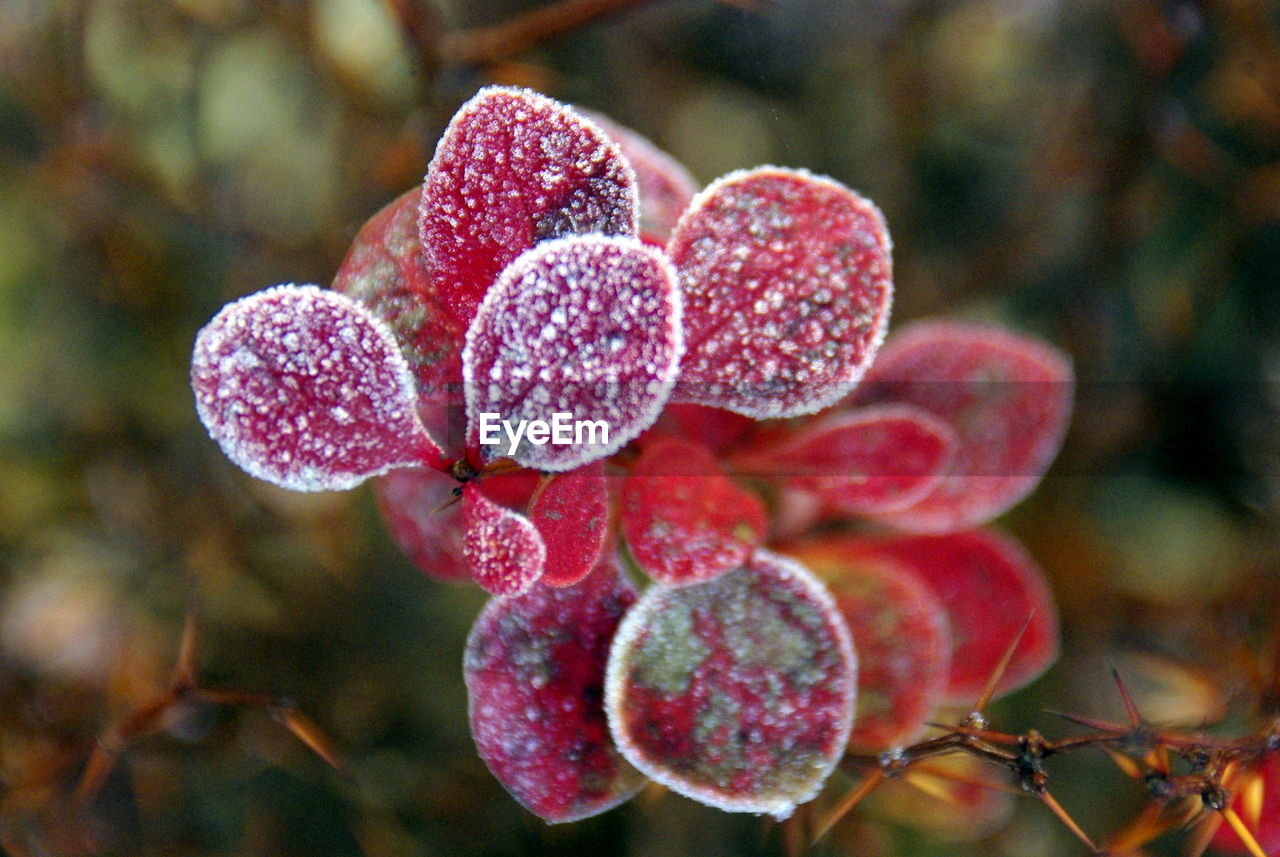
{"x": 548, "y": 266}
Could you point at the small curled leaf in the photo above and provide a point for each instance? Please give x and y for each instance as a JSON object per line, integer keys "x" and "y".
{"x": 738, "y": 692}
{"x": 305, "y": 388}
{"x": 787, "y": 282}
{"x": 535, "y": 669}
{"x": 502, "y": 549}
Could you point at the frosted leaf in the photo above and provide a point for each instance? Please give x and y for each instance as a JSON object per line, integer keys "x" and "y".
{"x": 665, "y": 187}
{"x": 502, "y": 549}
{"x": 587, "y": 328}
{"x": 571, "y": 511}
{"x": 384, "y": 270}
{"x": 738, "y": 692}
{"x": 534, "y": 669}
{"x": 876, "y": 459}
{"x": 305, "y": 388}
{"x": 1008, "y": 398}
{"x": 512, "y": 169}
{"x": 1261, "y": 818}
{"x": 683, "y": 519}
{"x": 415, "y": 507}
{"x": 989, "y": 587}
{"x": 900, "y": 633}
{"x": 787, "y": 282}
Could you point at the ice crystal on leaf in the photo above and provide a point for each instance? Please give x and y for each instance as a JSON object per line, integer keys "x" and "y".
{"x": 585, "y": 327}
{"x": 787, "y": 285}
{"x": 515, "y": 168}
{"x": 305, "y": 388}
{"x": 737, "y": 692}
{"x": 513, "y": 289}
{"x": 535, "y": 672}
{"x": 502, "y": 548}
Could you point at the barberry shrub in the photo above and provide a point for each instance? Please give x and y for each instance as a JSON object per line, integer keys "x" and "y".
{"x": 821, "y": 576}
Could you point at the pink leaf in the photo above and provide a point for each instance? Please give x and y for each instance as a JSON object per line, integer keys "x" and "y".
{"x": 900, "y": 633}
{"x": 384, "y": 270}
{"x": 877, "y": 459}
{"x": 665, "y": 186}
{"x": 738, "y": 692}
{"x": 503, "y": 550}
{"x": 571, "y": 511}
{"x": 990, "y": 587}
{"x": 1008, "y": 398}
{"x": 534, "y": 669}
{"x": 713, "y": 428}
{"x": 305, "y": 388}
{"x": 787, "y": 283}
{"x": 415, "y": 505}
{"x": 587, "y": 328}
{"x": 515, "y": 168}
{"x": 684, "y": 520}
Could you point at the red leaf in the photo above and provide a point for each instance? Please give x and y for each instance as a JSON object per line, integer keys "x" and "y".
{"x": 1007, "y": 396}
{"x": 787, "y": 283}
{"x": 534, "y": 669}
{"x": 503, "y": 550}
{"x": 515, "y": 168}
{"x": 665, "y": 187}
{"x": 739, "y": 692}
{"x": 415, "y": 506}
{"x": 587, "y": 328}
{"x": 876, "y": 459}
{"x": 571, "y": 511}
{"x": 307, "y": 389}
{"x": 684, "y": 520}
{"x": 989, "y": 586}
{"x": 384, "y": 270}
{"x": 713, "y": 428}
{"x": 900, "y": 633}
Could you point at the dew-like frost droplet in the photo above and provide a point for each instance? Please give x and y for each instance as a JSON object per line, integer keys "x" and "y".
{"x": 787, "y": 282}
{"x": 515, "y": 168}
{"x": 503, "y": 550}
{"x": 900, "y": 632}
{"x": 738, "y": 692}
{"x": 989, "y": 586}
{"x": 582, "y": 331}
{"x": 571, "y": 511}
{"x": 384, "y": 270}
{"x": 871, "y": 460}
{"x": 416, "y": 507}
{"x": 305, "y": 388}
{"x": 534, "y": 668}
{"x": 1006, "y": 395}
{"x": 665, "y": 187}
{"x": 683, "y": 519}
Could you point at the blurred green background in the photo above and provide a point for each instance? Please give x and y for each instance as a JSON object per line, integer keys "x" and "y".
{"x": 1105, "y": 175}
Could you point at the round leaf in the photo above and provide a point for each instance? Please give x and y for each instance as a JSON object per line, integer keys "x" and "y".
{"x": 571, "y": 512}
{"x": 502, "y": 549}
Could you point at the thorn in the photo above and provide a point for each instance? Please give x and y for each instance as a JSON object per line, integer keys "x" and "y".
{"x": 455, "y": 494}
{"x": 966, "y": 779}
{"x": 95, "y": 774}
{"x": 1200, "y": 842}
{"x": 1056, "y": 808}
{"x": 1252, "y": 793}
{"x": 930, "y": 785}
{"x": 184, "y": 669}
{"x": 1242, "y": 830}
{"x": 1135, "y": 719}
{"x": 846, "y": 804}
{"x": 308, "y": 732}
{"x": 1127, "y": 766}
{"x": 1092, "y": 723}
{"x": 998, "y": 673}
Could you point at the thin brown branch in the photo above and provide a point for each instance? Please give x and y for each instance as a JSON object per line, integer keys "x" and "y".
{"x": 491, "y": 44}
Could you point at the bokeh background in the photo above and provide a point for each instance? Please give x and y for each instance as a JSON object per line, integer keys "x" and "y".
{"x": 1105, "y": 175}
